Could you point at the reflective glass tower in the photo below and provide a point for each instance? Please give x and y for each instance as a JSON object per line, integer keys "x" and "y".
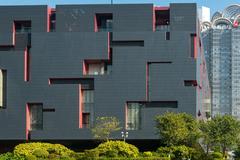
{"x": 221, "y": 39}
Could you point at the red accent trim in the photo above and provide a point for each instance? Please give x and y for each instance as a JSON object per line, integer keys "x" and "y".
{"x": 147, "y": 81}
{"x": 48, "y": 19}
{"x": 95, "y": 24}
{"x": 27, "y": 121}
{"x": 154, "y": 20}
{"x": 195, "y": 47}
{"x": 84, "y": 68}
{"x": 163, "y": 8}
{"x": 14, "y": 34}
{"x": 80, "y": 106}
{"x": 26, "y": 64}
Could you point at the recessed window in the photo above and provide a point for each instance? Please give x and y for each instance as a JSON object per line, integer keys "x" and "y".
{"x": 3, "y": 88}
{"x": 52, "y": 23}
{"x": 193, "y": 46}
{"x": 96, "y": 67}
{"x": 104, "y": 22}
{"x": 36, "y": 116}
{"x": 22, "y": 26}
{"x": 161, "y": 104}
{"x": 162, "y": 19}
{"x": 167, "y": 36}
{"x": 86, "y": 120}
{"x": 87, "y": 108}
{"x": 190, "y": 83}
{"x": 137, "y": 43}
{"x": 134, "y": 116}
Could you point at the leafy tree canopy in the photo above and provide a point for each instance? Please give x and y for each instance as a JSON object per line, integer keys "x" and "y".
{"x": 104, "y": 126}
{"x": 177, "y": 128}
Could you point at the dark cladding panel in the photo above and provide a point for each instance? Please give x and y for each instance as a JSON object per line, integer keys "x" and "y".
{"x": 36, "y": 14}
{"x": 183, "y": 17}
{"x": 133, "y": 18}
{"x": 125, "y": 17}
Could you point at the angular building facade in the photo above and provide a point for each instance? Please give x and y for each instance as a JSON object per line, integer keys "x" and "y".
{"x": 221, "y": 38}
{"x": 62, "y": 68}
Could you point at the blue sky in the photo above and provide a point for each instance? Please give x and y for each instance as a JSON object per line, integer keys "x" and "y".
{"x": 213, "y": 4}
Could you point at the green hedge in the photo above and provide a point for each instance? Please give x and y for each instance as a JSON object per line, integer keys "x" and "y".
{"x": 9, "y": 156}
{"x": 42, "y": 150}
{"x": 117, "y": 149}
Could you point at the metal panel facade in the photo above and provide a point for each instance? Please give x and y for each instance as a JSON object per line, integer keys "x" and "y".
{"x": 61, "y": 54}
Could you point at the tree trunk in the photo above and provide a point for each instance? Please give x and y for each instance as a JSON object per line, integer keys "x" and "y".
{"x": 224, "y": 151}
{"x": 207, "y": 149}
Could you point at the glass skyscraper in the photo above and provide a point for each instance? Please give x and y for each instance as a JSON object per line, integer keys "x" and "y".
{"x": 221, "y": 41}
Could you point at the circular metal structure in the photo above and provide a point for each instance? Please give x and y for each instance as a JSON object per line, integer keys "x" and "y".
{"x": 205, "y": 26}
{"x": 216, "y": 15}
{"x": 222, "y": 23}
{"x": 231, "y": 12}
{"x": 229, "y": 18}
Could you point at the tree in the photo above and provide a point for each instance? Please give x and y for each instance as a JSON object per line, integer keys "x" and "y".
{"x": 177, "y": 129}
{"x": 222, "y": 131}
{"x": 104, "y": 126}
{"x": 205, "y": 134}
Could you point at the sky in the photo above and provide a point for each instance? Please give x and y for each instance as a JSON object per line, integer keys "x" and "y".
{"x": 214, "y": 5}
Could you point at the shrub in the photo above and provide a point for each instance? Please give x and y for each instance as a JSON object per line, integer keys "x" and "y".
{"x": 177, "y": 152}
{"x": 216, "y": 156}
{"x": 31, "y": 157}
{"x": 40, "y": 153}
{"x": 147, "y": 154}
{"x": 6, "y": 156}
{"x": 78, "y": 155}
{"x": 91, "y": 154}
{"x": 23, "y": 150}
{"x": 117, "y": 149}
{"x": 67, "y": 158}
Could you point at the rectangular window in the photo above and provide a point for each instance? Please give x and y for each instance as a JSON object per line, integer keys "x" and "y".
{"x": 96, "y": 67}
{"x": 3, "y": 88}
{"x": 134, "y": 116}
{"x": 162, "y": 19}
{"x": 190, "y": 83}
{"x": 162, "y": 104}
{"x": 52, "y": 22}
{"x": 193, "y": 45}
{"x": 48, "y": 109}
{"x": 22, "y": 26}
{"x": 104, "y": 22}
{"x": 36, "y": 116}
{"x": 86, "y": 83}
{"x": 87, "y": 108}
{"x": 167, "y": 36}
{"x": 86, "y": 120}
{"x": 137, "y": 43}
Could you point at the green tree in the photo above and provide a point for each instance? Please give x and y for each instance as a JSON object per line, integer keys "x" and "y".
{"x": 205, "y": 134}
{"x": 222, "y": 132}
{"x": 104, "y": 126}
{"x": 237, "y": 153}
{"x": 177, "y": 129}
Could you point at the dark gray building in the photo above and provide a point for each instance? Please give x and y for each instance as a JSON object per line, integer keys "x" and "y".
{"x": 61, "y": 68}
